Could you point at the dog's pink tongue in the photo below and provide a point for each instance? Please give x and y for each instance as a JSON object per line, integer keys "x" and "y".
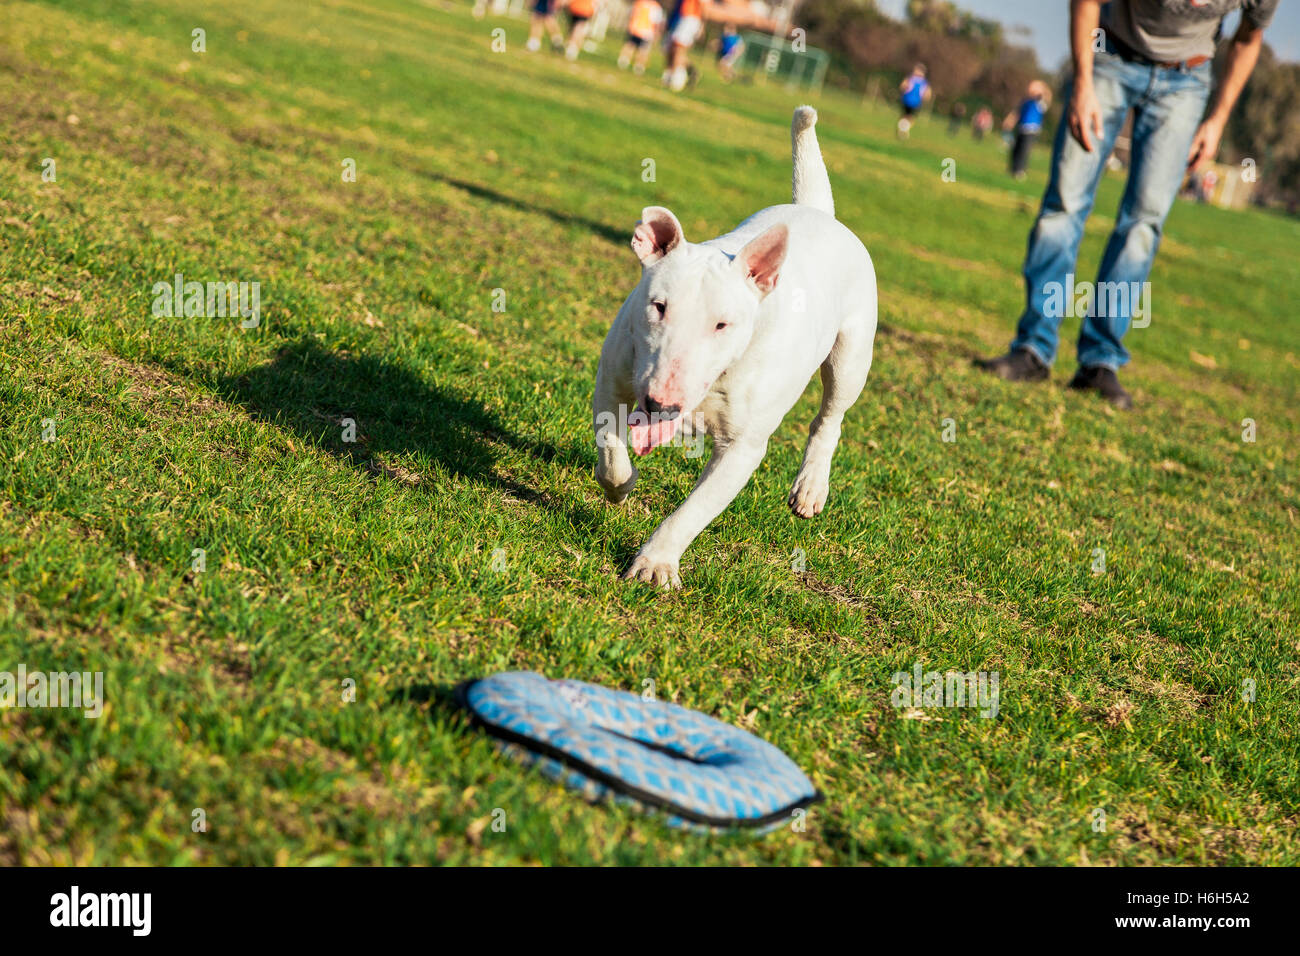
{"x": 645, "y": 437}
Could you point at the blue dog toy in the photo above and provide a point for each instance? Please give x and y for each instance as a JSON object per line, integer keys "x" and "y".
{"x": 705, "y": 774}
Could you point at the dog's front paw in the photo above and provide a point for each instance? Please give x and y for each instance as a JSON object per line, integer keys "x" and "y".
{"x": 808, "y": 496}
{"x": 616, "y": 491}
{"x": 653, "y": 569}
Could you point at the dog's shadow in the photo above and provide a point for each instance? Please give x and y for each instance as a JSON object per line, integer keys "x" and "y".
{"x": 363, "y": 409}
{"x": 607, "y": 232}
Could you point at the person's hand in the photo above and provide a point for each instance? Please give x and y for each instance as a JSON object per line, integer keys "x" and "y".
{"x": 1084, "y": 115}
{"x": 1205, "y": 145}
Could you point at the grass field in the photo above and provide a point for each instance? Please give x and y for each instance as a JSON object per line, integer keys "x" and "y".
{"x": 372, "y": 560}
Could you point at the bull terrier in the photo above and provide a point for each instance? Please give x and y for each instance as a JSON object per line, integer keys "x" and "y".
{"x": 721, "y": 337}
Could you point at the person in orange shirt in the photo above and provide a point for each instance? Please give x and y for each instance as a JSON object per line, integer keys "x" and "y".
{"x": 643, "y": 23}
{"x": 684, "y": 27}
{"x": 580, "y": 12}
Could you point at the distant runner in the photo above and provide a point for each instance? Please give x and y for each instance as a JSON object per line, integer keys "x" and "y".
{"x": 916, "y": 93}
{"x": 644, "y": 22}
{"x": 730, "y": 49}
{"x": 1026, "y": 123}
{"x": 580, "y": 13}
{"x": 684, "y": 26}
{"x": 543, "y": 18}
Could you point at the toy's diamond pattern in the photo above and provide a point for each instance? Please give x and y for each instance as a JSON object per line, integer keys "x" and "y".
{"x": 716, "y": 775}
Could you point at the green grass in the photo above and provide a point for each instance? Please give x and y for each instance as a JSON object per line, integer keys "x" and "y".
{"x": 372, "y": 560}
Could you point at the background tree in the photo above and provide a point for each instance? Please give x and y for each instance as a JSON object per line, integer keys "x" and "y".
{"x": 967, "y": 56}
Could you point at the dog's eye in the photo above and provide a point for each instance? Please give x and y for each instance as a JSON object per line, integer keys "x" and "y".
{"x": 720, "y": 326}
{"x": 660, "y": 307}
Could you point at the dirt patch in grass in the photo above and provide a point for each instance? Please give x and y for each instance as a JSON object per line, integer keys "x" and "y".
{"x": 159, "y": 391}
{"x": 1183, "y": 697}
{"x": 838, "y": 593}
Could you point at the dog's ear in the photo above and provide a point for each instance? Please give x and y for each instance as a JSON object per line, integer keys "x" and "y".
{"x": 761, "y": 259}
{"x": 657, "y": 234}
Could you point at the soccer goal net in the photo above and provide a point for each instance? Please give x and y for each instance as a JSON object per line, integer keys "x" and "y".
{"x": 775, "y": 59}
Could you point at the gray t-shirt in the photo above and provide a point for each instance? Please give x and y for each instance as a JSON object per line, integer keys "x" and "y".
{"x": 1176, "y": 30}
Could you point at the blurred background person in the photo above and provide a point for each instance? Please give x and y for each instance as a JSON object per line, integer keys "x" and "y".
{"x": 580, "y": 14}
{"x": 982, "y": 123}
{"x": 914, "y": 92}
{"x": 1205, "y": 188}
{"x": 643, "y": 23}
{"x": 685, "y": 24}
{"x": 730, "y": 49}
{"x": 956, "y": 118}
{"x": 543, "y": 19}
{"x": 1025, "y": 123}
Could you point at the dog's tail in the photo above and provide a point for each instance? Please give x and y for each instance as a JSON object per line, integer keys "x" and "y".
{"x": 812, "y": 187}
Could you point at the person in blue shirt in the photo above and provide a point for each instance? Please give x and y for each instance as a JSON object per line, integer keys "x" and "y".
{"x": 1027, "y": 122}
{"x": 915, "y": 90}
{"x": 730, "y": 49}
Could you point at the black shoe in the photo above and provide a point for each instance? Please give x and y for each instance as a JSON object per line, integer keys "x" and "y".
{"x": 1104, "y": 381}
{"x": 1018, "y": 365}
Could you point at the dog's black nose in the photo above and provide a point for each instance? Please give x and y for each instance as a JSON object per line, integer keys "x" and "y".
{"x": 663, "y": 411}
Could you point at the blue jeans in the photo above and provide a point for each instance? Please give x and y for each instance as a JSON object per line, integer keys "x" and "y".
{"x": 1169, "y": 104}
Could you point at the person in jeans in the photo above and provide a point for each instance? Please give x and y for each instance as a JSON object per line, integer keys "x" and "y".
{"x": 1153, "y": 57}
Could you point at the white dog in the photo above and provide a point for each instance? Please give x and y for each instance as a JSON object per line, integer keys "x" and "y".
{"x": 722, "y": 337}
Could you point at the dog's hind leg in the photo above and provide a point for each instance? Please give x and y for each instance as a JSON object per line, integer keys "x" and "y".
{"x": 844, "y": 373}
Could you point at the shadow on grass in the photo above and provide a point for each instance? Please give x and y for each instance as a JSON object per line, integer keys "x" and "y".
{"x": 443, "y": 699}
{"x": 313, "y": 391}
{"x": 617, "y": 236}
